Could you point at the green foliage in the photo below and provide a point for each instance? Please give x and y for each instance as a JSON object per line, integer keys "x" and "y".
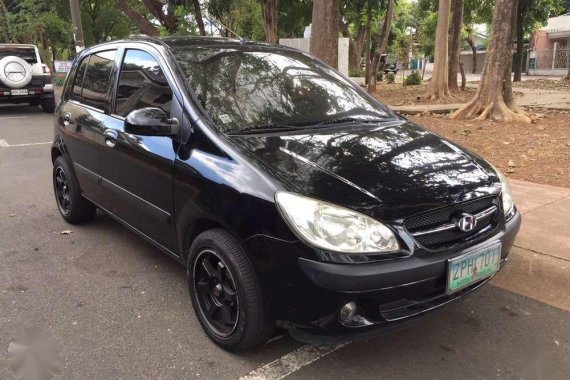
{"x": 390, "y": 77}
{"x": 380, "y": 76}
{"x": 358, "y": 73}
{"x": 102, "y": 21}
{"x": 413, "y": 79}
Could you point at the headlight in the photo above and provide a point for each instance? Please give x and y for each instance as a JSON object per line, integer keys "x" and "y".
{"x": 506, "y": 194}
{"x": 335, "y": 228}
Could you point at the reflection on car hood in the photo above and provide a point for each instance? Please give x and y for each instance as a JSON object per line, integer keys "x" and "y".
{"x": 389, "y": 171}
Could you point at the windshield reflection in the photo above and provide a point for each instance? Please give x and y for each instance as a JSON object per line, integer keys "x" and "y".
{"x": 254, "y": 87}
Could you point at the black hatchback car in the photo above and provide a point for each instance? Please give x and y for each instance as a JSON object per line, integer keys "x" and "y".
{"x": 294, "y": 199}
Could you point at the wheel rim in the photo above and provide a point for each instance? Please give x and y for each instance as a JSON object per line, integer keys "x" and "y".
{"x": 62, "y": 190}
{"x": 216, "y": 293}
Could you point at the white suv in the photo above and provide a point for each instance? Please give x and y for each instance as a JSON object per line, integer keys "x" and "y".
{"x": 23, "y": 78}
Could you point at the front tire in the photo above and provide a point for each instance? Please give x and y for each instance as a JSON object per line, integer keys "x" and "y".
{"x": 72, "y": 206}
{"x": 225, "y": 292}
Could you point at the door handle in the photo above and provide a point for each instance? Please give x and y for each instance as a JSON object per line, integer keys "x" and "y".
{"x": 110, "y": 137}
{"x": 66, "y": 119}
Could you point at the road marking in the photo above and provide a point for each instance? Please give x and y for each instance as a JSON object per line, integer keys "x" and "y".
{"x": 291, "y": 362}
{"x": 4, "y": 144}
{"x": 13, "y": 117}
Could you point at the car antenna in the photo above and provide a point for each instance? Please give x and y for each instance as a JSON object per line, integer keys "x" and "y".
{"x": 241, "y": 39}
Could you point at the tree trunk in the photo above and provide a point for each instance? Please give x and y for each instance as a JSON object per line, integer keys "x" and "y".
{"x": 167, "y": 19}
{"x": 520, "y": 44}
{"x": 141, "y": 22}
{"x": 76, "y": 24}
{"x": 463, "y": 77}
{"x": 454, "y": 45}
{"x": 270, "y": 20}
{"x": 198, "y": 17}
{"x": 439, "y": 88}
{"x": 494, "y": 99}
{"x": 469, "y": 41}
{"x": 382, "y": 42}
{"x": 324, "y": 31}
{"x": 355, "y": 48}
{"x": 368, "y": 38}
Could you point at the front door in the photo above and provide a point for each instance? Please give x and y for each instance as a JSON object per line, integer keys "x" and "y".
{"x": 137, "y": 171}
{"x": 82, "y": 118}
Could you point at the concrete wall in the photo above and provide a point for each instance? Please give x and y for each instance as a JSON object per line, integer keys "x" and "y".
{"x": 467, "y": 59}
{"x": 304, "y": 45}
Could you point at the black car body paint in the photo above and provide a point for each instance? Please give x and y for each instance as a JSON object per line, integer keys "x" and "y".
{"x": 169, "y": 189}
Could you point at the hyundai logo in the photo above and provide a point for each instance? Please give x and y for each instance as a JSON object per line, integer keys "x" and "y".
{"x": 466, "y": 222}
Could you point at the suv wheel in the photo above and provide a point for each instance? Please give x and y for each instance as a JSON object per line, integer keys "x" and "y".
{"x": 48, "y": 105}
{"x": 225, "y": 293}
{"x": 70, "y": 203}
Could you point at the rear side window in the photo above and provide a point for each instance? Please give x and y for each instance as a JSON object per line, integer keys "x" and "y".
{"x": 78, "y": 81}
{"x": 142, "y": 84}
{"x": 98, "y": 79}
{"x": 28, "y": 54}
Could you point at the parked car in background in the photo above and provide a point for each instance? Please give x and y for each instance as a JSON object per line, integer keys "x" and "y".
{"x": 293, "y": 198}
{"x": 23, "y": 77}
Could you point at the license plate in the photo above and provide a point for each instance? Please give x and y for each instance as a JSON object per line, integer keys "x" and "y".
{"x": 19, "y": 92}
{"x": 472, "y": 267}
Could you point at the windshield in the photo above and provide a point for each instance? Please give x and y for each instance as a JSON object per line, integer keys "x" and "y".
{"x": 248, "y": 88}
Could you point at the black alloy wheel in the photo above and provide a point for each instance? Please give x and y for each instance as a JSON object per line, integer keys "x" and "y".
{"x": 216, "y": 293}
{"x": 62, "y": 191}
{"x": 225, "y": 292}
{"x": 72, "y": 206}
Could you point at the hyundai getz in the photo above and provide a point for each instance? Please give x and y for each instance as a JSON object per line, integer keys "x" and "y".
{"x": 293, "y": 198}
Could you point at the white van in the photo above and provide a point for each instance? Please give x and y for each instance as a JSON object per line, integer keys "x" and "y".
{"x": 23, "y": 77}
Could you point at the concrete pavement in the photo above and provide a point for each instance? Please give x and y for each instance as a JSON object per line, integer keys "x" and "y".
{"x": 116, "y": 308}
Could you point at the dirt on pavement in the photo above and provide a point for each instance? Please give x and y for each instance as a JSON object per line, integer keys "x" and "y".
{"x": 537, "y": 152}
{"x": 544, "y": 84}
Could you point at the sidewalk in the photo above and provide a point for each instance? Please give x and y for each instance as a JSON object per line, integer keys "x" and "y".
{"x": 539, "y": 263}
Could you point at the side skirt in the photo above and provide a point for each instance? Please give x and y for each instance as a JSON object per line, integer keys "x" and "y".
{"x": 139, "y": 233}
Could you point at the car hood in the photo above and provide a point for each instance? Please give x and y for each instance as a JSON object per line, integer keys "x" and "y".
{"x": 388, "y": 170}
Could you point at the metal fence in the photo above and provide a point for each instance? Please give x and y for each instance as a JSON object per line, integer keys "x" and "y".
{"x": 556, "y": 58}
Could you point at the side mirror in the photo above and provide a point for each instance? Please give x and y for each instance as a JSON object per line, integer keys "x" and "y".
{"x": 150, "y": 121}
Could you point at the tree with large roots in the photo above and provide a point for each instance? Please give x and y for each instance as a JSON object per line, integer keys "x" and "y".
{"x": 494, "y": 98}
{"x": 439, "y": 86}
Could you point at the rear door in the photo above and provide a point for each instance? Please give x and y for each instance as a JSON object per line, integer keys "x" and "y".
{"x": 137, "y": 171}
{"x": 82, "y": 118}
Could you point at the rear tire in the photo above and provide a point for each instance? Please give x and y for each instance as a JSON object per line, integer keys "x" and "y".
{"x": 72, "y": 206}
{"x": 48, "y": 105}
{"x": 225, "y": 292}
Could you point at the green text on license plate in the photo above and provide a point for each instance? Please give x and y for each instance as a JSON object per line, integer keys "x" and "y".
{"x": 472, "y": 267}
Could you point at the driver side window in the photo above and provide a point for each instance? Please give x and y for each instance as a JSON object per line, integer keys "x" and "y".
{"x": 141, "y": 84}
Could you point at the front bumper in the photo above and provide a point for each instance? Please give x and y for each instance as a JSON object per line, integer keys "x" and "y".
{"x": 387, "y": 293}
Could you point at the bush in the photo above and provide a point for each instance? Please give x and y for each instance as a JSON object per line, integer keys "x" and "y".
{"x": 380, "y": 76}
{"x": 413, "y": 79}
{"x": 356, "y": 73}
{"x": 390, "y": 77}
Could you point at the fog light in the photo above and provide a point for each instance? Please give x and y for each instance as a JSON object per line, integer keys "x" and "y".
{"x": 347, "y": 312}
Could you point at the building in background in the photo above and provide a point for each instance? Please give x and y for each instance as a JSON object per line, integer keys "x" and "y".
{"x": 550, "y": 54}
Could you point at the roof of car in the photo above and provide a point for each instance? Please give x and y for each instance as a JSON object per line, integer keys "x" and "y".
{"x": 18, "y": 45}
{"x": 178, "y": 41}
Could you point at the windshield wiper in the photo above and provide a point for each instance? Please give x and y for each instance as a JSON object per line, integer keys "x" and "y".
{"x": 346, "y": 119}
{"x": 268, "y": 128}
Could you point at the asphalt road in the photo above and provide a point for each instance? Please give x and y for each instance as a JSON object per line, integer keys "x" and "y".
{"x": 110, "y": 306}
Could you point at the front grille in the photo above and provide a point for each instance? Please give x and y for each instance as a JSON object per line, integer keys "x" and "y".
{"x": 435, "y": 229}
